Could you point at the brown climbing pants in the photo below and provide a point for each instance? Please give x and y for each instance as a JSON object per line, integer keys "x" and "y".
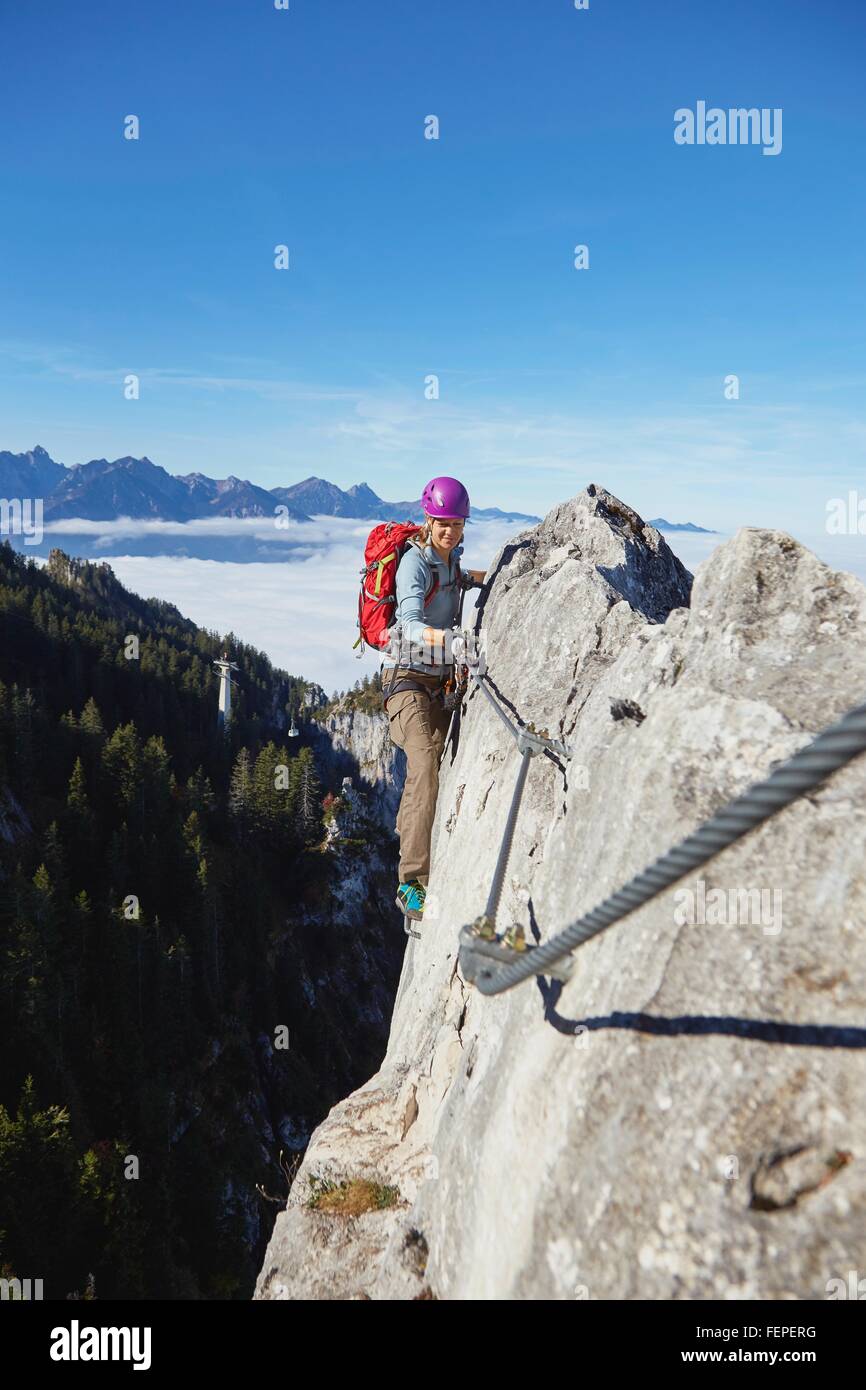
{"x": 418, "y": 725}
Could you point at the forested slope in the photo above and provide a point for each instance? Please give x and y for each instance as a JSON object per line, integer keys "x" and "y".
{"x": 165, "y": 907}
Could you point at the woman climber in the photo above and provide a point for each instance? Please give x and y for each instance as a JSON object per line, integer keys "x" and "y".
{"x": 413, "y": 689}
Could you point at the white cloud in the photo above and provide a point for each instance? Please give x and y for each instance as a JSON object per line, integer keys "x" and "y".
{"x": 257, "y": 528}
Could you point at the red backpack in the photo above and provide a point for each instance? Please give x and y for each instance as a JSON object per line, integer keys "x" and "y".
{"x": 377, "y": 602}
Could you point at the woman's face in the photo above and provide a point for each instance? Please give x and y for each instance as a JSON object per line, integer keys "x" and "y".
{"x": 447, "y": 531}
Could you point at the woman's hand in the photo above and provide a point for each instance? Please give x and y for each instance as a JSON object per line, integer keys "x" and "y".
{"x": 439, "y": 640}
{"x": 434, "y": 637}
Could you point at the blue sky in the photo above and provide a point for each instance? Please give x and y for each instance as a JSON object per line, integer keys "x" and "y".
{"x": 454, "y": 257}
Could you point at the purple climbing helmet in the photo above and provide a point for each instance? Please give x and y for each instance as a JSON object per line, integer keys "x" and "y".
{"x": 445, "y": 497}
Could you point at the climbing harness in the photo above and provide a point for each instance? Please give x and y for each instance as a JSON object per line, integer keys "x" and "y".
{"x": 406, "y": 683}
{"x": 455, "y": 687}
{"x": 836, "y": 746}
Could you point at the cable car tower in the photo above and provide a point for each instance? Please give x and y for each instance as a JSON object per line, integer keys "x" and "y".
{"x": 225, "y": 668}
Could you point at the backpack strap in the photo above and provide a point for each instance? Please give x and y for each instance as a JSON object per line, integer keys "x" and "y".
{"x": 435, "y": 585}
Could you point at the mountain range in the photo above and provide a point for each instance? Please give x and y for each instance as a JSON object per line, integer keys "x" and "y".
{"x": 104, "y": 490}
{"x": 661, "y": 525}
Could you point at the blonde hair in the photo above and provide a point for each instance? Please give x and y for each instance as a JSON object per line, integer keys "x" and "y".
{"x": 424, "y": 536}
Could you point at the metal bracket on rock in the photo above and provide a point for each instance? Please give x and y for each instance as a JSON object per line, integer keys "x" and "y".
{"x": 479, "y": 944}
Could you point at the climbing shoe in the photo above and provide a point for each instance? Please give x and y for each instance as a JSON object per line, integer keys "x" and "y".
{"x": 410, "y": 899}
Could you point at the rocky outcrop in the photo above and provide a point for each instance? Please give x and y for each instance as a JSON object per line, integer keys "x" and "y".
{"x": 356, "y": 744}
{"x": 347, "y": 815}
{"x": 683, "y": 1119}
{"x": 314, "y": 696}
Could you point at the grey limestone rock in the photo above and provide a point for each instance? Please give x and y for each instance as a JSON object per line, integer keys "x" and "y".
{"x": 683, "y": 1119}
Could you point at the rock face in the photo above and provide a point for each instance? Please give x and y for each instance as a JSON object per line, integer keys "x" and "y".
{"x": 314, "y": 696}
{"x": 357, "y": 744}
{"x": 684, "y": 1117}
{"x": 347, "y": 818}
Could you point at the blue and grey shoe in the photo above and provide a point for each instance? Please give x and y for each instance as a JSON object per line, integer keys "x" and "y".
{"x": 410, "y": 899}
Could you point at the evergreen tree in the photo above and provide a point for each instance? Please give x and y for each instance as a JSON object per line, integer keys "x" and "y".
{"x": 90, "y": 722}
{"x": 309, "y": 797}
{"x": 200, "y": 794}
{"x": 121, "y": 767}
{"x": 241, "y": 793}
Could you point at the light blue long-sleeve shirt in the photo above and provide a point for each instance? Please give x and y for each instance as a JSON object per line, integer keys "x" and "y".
{"x": 414, "y": 578}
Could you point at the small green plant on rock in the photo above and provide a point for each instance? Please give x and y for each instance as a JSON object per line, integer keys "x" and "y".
{"x": 350, "y": 1197}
